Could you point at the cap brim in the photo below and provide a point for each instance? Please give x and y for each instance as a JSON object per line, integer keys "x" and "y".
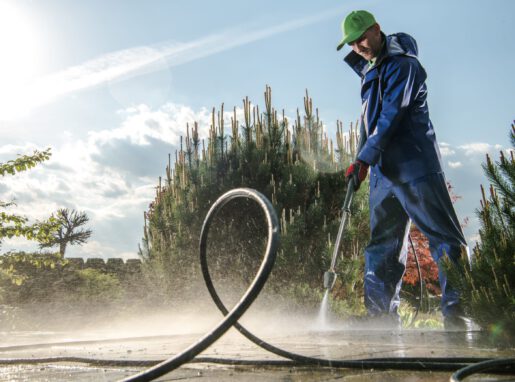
{"x": 350, "y": 38}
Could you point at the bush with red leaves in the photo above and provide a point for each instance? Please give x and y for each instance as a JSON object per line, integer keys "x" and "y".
{"x": 428, "y": 267}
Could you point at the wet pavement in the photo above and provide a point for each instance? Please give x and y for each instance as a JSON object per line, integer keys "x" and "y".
{"x": 336, "y": 343}
{"x": 208, "y": 373}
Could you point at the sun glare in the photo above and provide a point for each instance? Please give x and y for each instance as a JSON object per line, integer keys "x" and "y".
{"x": 18, "y": 49}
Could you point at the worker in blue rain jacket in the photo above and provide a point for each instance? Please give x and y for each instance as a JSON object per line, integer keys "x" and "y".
{"x": 406, "y": 178}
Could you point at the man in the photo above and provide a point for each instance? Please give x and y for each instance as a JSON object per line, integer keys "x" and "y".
{"x": 407, "y": 182}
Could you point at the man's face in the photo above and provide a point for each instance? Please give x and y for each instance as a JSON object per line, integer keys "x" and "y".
{"x": 368, "y": 45}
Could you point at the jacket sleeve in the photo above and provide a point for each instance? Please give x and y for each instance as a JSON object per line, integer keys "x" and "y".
{"x": 397, "y": 95}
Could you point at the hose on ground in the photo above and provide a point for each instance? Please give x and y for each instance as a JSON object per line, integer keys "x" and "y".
{"x": 507, "y": 363}
{"x": 444, "y": 364}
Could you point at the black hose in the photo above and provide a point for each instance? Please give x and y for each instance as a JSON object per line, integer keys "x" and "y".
{"x": 250, "y": 295}
{"x": 446, "y": 364}
{"x": 498, "y": 364}
{"x": 420, "y": 282}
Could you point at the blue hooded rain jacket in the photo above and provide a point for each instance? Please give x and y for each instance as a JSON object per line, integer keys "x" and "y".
{"x": 407, "y": 182}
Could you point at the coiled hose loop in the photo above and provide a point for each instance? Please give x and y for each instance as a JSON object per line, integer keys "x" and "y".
{"x": 247, "y": 299}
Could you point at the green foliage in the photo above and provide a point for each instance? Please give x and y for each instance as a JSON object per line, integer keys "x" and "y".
{"x": 24, "y": 162}
{"x": 487, "y": 283}
{"x": 95, "y": 287}
{"x": 296, "y": 167}
{"x": 423, "y": 321}
{"x": 428, "y": 323}
{"x": 12, "y": 225}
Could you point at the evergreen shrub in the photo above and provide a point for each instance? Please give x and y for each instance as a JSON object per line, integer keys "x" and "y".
{"x": 487, "y": 283}
{"x": 297, "y": 167}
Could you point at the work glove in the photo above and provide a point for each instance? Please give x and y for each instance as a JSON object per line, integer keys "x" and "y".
{"x": 357, "y": 171}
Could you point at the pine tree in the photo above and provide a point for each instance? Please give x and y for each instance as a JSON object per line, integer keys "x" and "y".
{"x": 487, "y": 283}
{"x": 68, "y": 231}
{"x": 296, "y": 166}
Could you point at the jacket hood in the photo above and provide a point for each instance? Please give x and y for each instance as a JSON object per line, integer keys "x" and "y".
{"x": 401, "y": 43}
{"x": 396, "y": 44}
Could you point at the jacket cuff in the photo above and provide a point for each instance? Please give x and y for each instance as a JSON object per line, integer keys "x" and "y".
{"x": 369, "y": 155}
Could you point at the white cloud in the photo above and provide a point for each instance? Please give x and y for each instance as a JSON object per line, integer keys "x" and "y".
{"x": 476, "y": 148}
{"x": 446, "y": 150}
{"x": 454, "y": 164}
{"x": 11, "y": 151}
{"x": 166, "y": 124}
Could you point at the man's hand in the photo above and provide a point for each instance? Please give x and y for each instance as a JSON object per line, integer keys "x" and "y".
{"x": 358, "y": 172}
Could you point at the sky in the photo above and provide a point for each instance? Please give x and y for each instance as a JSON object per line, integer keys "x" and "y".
{"x": 109, "y": 86}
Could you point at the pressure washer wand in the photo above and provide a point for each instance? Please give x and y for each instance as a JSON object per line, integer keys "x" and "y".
{"x": 330, "y": 275}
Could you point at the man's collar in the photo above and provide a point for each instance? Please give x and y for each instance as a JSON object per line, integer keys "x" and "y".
{"x": 381, "y": 55}
{"x": 360, "y": 65}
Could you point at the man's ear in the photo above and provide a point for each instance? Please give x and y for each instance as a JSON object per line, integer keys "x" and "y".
{"x": 377, "y": 28}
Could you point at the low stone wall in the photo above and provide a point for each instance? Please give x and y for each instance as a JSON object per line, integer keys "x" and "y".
{"x": 113, "y": 265}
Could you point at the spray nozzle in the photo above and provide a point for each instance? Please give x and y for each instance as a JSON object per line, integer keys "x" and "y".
{"x": 329, "y": 279}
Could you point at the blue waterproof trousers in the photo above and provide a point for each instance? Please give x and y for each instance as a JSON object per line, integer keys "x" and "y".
{"x": 427, "y": 203}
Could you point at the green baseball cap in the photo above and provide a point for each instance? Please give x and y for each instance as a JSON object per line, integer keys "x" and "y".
{"x": 354, "y": 25}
